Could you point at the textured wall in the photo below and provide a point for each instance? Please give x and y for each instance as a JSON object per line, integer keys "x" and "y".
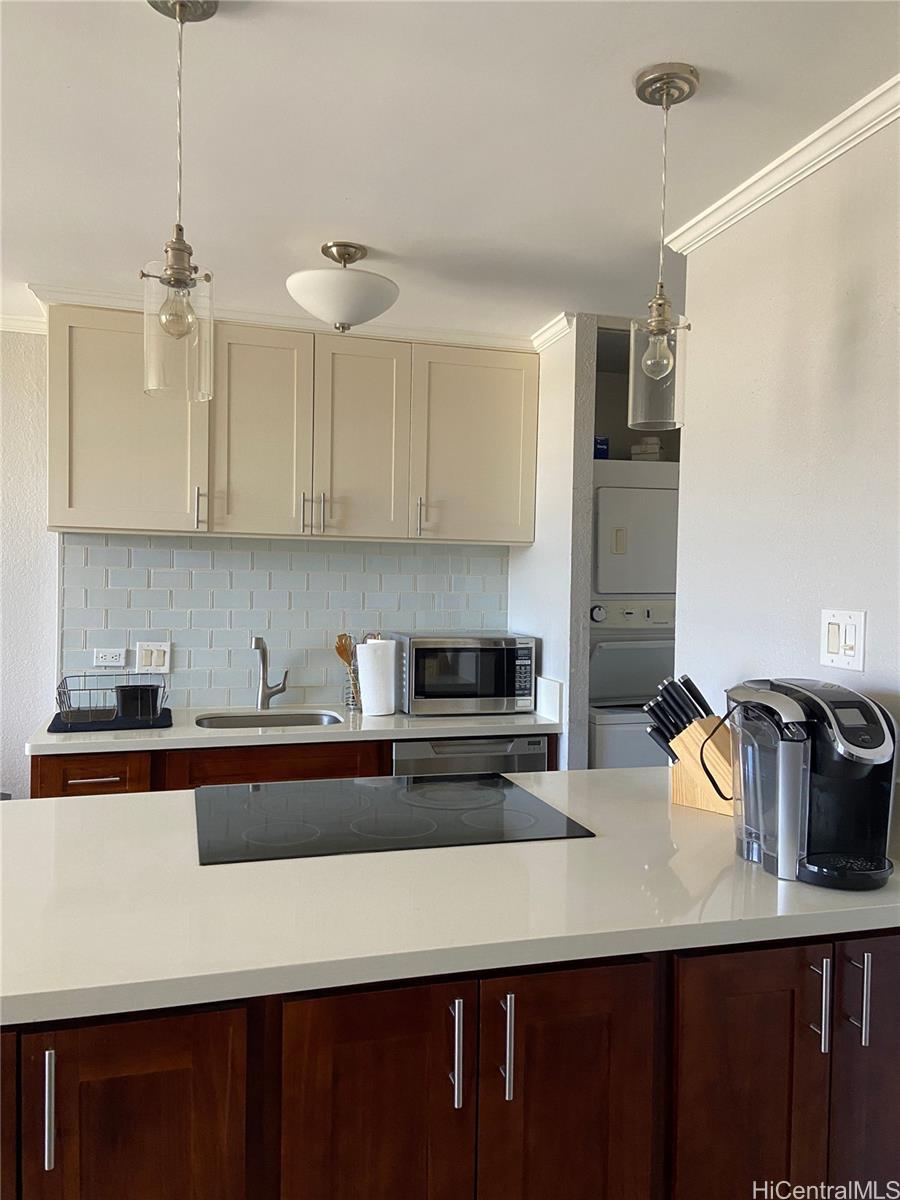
{"x": 211, "y": 595}
{"x": 790, "y": 482}
{"x": 28, "y": 555}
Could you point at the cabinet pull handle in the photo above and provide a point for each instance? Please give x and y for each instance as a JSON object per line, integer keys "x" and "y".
{"x": 197, "y": 506}
{"x": 508, "y": 1070}
{"x": 98, "y": 779}
{"x": 419, "y": 506}
{"x": 823, "y": 1029}
{"x": 322, "y": 512}
{"x": 456, "y": 1075}
{"x": 864, "y": 1023}
{"x": 619, "y": 540}
{"x": 303, "y": 512}
{"x": 49, "y": 1110}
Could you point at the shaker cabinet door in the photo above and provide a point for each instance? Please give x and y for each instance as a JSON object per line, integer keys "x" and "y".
{"x": 361, "y": 455}
{"x": 118, "y": 459}
{"x": 474, "y": 444}
{"x": 566, "y": 1099}
{"x": 865, "y": 1074}
{"x": 636, "y": 531}
{"x": 262, "y": 428}
{"x": 148, "y": 1110}
{"x": 378, "y": 1095}
{"x": 751, "y": 1070}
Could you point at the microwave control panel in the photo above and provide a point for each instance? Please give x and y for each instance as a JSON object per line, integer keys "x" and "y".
{"x": 524, "y": 677}
{"x": 634, "y": 612}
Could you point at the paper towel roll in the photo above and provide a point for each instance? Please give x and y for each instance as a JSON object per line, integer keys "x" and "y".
{"x": 377, "y": 677}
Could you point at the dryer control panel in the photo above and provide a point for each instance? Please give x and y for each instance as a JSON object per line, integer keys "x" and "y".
{"x": 634, "y": 612}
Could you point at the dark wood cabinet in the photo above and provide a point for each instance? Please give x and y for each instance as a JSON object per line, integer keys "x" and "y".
{"x": 90, "y": 774}
{"x": 9, "y": 1125}
{"x": 148, "y": 1109}
{"x": 271, "y": 764}
{"x": 566, "y": 1084}
{"x": 751, "y": 1073}
{"x": 865, "y": 1071}
{"x": 379, "y": 1095}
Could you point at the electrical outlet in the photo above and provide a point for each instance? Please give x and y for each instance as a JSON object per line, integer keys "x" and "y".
{"x": 155, "y": 657}
{"x": 842, "y": 639}
{"x": 109, "y": 658}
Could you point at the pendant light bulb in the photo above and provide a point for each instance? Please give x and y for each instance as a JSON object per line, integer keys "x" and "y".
{"x": 658, "y": 359}
{"x": 177, "y": 317}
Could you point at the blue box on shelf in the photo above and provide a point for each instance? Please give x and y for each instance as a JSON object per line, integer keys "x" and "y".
{"x": 601, "y": 447}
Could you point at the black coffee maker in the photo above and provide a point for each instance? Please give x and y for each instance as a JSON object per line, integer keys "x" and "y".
{"x": 814, "y": 767}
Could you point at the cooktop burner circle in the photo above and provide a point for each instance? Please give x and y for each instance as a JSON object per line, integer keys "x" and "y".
{"x": 279, "y": 833}
{"x": 499, "y": 819}
{"x": 448, "y": 796}
{"x": 394, "y": 826}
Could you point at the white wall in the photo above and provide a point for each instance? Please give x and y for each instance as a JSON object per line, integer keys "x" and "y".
{"x": 790, "y": 455}
{"x": 549, "y": 581}
{"x": 28, "y": 555}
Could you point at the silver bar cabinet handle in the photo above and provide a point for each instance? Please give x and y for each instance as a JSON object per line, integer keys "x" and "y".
{"x": 303, "y": 512}
{"x": 197, "y": 506}
{"x": 456, "y": 1075}
{"x": 322, "y": 512}
{"x": 508, "y": 1070}
{"x": 419, "y": 505}
{"x": 865, "y": 1021}
{"x": 49, "y": 1110}
{"x": 823, "y": 1029}
{"x": 98, "y": 779}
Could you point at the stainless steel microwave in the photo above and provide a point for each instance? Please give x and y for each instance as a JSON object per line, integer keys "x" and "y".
{"x": 447, "y": 675}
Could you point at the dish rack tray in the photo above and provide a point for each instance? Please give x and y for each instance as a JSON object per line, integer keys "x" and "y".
{"x": 92, "y": 697}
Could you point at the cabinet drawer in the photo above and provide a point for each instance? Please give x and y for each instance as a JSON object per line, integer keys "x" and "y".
{"x": 89, "y": 774}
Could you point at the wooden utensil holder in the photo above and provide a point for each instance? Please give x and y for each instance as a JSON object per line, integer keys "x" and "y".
{"x": 690, "y": 786}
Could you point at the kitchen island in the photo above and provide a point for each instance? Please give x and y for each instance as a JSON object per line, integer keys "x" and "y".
{"x": 570, "y": 986}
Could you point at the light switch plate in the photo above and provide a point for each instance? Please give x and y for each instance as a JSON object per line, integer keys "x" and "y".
{"x": 153, "y": 658}
{"x": 842, "y": 639}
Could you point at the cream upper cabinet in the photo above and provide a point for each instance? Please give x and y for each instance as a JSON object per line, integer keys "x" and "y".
{"x": 262, "y": 431}
{"x": 361, "y": 438}
{"x": 116, "y": 458}
{"x": 473, "y": 444}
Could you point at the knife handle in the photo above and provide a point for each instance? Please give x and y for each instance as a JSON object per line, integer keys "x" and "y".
{"x": 679, "y": 702}
{"x": 696, "y": 695}
{"x": 657, "y": 713}
{"x": 657, "y": 737}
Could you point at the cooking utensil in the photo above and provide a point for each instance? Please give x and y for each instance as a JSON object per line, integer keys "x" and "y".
{"x": 658, "y": 738}
{"x": 679, "y": 702}
{"x": 343, "y": 648}
{"x": 696, "y": 695}
{"x": 657, "y": 713}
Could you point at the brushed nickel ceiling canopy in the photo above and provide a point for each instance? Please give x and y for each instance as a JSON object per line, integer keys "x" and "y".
{"x": 185, "y": 10}
{"x": 666, "y": 83}
{"x": 344, "y": 253}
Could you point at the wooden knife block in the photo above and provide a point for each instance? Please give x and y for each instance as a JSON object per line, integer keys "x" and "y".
{"x": 689, "y": 784}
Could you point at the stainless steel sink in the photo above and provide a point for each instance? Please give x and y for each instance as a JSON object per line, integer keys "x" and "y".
{"x": 260, "y": 720}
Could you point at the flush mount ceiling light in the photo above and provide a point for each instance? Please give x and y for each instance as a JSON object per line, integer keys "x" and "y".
{"x": 177, "y": 295}
{"x": 342, "y": 298}
{"x": 658, "y": 343}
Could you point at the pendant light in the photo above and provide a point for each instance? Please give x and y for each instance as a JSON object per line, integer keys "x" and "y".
{"x": 658, "y": 342}
{"x": 342, "y": 298}
{"x": 177, "y": 295}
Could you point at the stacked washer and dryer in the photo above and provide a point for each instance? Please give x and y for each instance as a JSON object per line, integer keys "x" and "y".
{"x": 632, "y": 617}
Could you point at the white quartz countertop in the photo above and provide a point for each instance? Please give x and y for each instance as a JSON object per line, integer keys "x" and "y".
{"x": 186, "y": 734}
{"x": 105, "y": 908}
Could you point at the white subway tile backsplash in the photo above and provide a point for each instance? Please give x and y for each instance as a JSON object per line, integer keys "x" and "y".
{"x": 297, "y": 593}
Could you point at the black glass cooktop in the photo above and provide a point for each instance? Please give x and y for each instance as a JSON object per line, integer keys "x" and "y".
{"x": 249, "y": 822}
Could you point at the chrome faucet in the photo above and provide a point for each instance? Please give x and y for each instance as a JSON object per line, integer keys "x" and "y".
{"x": 266, "y": 691}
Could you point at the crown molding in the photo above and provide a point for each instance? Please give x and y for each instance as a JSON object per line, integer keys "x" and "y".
{"x": 848, "y": 129}
{"x": 552, "y": 331}
{"x": 11, "y": 324}
{"x": 49, "y": 294}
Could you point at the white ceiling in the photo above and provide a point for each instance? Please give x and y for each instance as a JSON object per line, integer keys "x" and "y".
{"x": 493, "y": 155}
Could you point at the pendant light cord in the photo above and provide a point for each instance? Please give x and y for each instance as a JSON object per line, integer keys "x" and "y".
{"x": 180, "y": 22}
{"x": 662, "y": 207}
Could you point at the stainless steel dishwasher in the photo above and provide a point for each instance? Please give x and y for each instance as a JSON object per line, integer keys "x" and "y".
{"x": 465, "y": 756}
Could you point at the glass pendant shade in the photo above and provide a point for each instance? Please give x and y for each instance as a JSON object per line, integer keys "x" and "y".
{"x": 342, "y": 297}
{"x": 178, "y": 337}
{"x": 656, "y": 388}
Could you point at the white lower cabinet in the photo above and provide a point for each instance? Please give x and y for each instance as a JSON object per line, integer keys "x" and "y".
{"x": 306, "y": 435}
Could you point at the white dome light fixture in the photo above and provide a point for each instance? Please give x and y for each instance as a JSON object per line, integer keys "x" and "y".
{"x": 342, "y": 298}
